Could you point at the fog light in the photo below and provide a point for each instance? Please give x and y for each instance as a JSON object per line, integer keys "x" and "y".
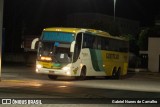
{"x": 39, "y": 66}
{"x": 66, "y": 68}
{"x": 68, "y": 73}
{"x": 36, "y": 70}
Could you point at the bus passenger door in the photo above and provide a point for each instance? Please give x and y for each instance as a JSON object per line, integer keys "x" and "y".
{"x": 76, "y": 56}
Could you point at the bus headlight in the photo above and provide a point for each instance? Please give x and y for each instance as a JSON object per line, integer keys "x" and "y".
{"x": 39, "y": 66}
{"x": 68, "y": 73}
{"x": 66, "y": 68}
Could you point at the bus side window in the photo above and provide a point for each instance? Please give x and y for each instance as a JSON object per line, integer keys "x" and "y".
{"x": 95, "y": 43}
{"x": 88, "y": 41}
{"x": 99, "y": 43}
{"x": 104, "y": 43}
{"x": 84, "y": 41}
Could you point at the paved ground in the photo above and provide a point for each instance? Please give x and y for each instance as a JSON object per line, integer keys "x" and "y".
{"x": 23, "y": 82}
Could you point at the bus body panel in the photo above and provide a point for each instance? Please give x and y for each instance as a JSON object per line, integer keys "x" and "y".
{"x": 104, "y": 65}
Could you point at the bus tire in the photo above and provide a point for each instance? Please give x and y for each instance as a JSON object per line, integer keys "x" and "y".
{"x": 52, "y": 77}
{"x": 114, "y": 73}
{"x": 118, "y": 74}
{"x": 82, "y": 74}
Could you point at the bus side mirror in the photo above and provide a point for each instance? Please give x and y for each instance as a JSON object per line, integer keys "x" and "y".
{"x": 72, "y": 46}
{"x": 33, "y": 44}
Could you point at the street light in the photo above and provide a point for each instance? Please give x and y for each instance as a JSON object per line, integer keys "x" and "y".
{"x": 114, "y": 9}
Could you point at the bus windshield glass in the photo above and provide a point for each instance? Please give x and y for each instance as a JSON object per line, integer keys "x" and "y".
{"x": 56, "y": 47}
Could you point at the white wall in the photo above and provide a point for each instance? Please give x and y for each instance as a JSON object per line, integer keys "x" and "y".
{"x": 153, "y": 54}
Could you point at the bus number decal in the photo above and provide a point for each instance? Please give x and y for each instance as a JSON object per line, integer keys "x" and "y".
{"x": 112, "y": 56}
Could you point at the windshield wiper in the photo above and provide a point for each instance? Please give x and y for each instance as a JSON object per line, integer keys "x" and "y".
{"x": 54, "y": 57}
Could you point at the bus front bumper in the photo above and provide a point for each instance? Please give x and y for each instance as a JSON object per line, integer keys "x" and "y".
{"x": 59, "y": 72}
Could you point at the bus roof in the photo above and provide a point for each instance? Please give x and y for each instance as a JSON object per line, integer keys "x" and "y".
{"x": 77, "y": 30}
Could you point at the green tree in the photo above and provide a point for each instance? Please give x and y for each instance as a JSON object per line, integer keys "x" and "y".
{"x": 133, "y": 45}
{"x": 143, "y": 39}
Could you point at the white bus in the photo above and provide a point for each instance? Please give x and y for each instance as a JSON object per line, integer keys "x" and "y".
{"x": 80, "y": 53}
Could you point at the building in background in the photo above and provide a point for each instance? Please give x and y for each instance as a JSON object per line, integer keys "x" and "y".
{"x": 154, "y": 54}
{"x": 157, "y": 20}
{"x": 154, "y": 47}
{"x": 29, "y": 54}
{"x": 103, "y": 22}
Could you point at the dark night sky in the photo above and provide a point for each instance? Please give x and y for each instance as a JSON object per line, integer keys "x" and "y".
{"x": 38, "y": 14}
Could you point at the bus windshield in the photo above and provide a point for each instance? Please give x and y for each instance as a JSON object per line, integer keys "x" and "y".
{"x": 59, "y": 54}
{"x": 56, "y": 46}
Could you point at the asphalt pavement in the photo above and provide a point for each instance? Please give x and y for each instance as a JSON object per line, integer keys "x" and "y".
{"x": 22, "y": 82}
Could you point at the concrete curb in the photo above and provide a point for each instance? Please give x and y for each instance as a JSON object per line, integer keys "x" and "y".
{"x": 137, "y": 70}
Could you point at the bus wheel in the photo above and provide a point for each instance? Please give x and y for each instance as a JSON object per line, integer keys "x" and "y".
{"x": 114, "y": 73}
{"x": 83, "y": 74}
{"x": 52, "y": 77}
{"x": 118, "y": 74}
